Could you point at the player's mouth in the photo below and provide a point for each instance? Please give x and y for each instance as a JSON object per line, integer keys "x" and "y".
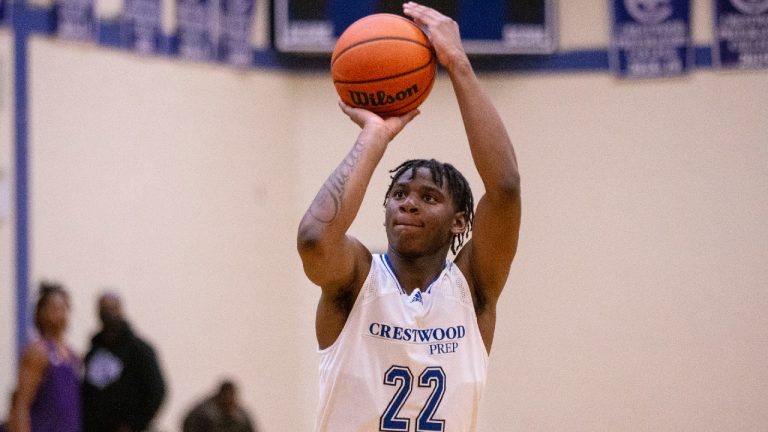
{"x": 408, "y": 224}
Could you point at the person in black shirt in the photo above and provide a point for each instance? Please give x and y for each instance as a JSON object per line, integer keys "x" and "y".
{"x": 123, "y": 386}
{"x": 220, "y": 412}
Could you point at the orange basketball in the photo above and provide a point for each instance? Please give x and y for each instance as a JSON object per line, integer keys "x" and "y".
{"x": 383, "y": 63}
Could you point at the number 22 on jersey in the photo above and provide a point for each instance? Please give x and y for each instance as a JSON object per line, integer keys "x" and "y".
{"x": 433, "y": 377}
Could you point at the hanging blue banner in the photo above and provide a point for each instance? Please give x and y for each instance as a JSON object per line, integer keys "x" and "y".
{"x": 741, "y": 34}
{"x": 75, "y": 20}
{"x": 650, "y": 38}
{"x": 196, "y": 29}
{"x": 487, "y": 26}
{"x": 141, "y": 27}
{"x": 235, "y": 27}
{"x": 4, "y": 11}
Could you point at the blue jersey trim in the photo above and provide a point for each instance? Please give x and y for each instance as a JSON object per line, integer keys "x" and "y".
{"x": 388, "y": 265}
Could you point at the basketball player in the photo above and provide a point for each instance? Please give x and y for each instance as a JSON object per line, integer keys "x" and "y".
{"x": 404, "y": 337}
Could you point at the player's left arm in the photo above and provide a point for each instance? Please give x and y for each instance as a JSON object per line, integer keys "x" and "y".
{"x": 487, "y": 257}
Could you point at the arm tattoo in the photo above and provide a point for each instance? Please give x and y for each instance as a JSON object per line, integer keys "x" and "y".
{"x": 326, "y": 207}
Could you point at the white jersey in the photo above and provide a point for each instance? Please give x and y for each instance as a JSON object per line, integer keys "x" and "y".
{"x": 405, "y": 362}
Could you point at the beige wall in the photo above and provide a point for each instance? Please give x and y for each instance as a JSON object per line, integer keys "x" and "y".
{"x": 637, "y": 300}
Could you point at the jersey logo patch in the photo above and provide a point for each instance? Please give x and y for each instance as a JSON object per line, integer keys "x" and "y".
{"x": 104, "y": 368}
{"x": 417, "y": 297}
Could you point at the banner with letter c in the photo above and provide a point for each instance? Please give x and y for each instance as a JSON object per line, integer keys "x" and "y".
{"x": 740, "y": 34}
{"x": 650, "y": 38}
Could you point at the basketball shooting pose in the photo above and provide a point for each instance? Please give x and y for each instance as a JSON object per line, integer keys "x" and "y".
{"x": 405, "y": 336}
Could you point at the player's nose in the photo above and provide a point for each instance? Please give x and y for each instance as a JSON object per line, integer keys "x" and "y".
{"x": 408, "y": 205}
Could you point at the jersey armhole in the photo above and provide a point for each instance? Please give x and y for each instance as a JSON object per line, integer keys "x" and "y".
{"x": 465, "y": 296}
{"x": 355, "y": 308}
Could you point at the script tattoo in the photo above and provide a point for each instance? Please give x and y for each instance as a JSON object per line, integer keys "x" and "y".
{"x": 327, "y": 205}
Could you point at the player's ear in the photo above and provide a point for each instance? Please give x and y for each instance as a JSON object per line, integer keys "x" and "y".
{"x": 459, "y": 222}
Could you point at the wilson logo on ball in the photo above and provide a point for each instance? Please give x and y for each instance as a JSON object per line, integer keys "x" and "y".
{"x": 381, "y": 98}
{"x": 383, "y": 63}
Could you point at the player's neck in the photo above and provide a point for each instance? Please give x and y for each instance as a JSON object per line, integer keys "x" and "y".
{"x": 54, "y": 335}
{"x": 416, "y": 272}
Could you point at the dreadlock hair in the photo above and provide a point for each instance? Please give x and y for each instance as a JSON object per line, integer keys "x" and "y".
{"x": 458, "y": 186}
{"x": 47, "y": 290}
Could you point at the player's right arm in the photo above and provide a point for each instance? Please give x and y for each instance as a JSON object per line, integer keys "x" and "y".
{"x": 34, "y": 362}
{"x": 332, "y": 259}
{"x": 329, "y": 255}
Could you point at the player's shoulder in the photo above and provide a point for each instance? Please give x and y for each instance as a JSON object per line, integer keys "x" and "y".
{"x": 36, "y": 353}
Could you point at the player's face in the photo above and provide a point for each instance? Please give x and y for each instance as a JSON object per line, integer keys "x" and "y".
{"x": 110, "y": 310}
{"x": 55, "y": 314}
{"x": 420, "y": 215}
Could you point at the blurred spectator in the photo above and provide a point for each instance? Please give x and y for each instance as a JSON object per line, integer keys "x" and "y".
{"x": 123, "y": 386}
{"x": 220, "y": 412}
{"x": 47, "y": 395}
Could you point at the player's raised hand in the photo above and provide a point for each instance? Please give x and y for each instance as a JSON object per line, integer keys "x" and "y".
{"x": 390, "y": 126}
{"x": 443, "y": 32}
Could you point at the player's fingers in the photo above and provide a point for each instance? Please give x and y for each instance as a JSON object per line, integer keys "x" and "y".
{"x": 351, "y": 113}
{"x": 410, "y": 115}
{"x": 416, "y": 113}
{"x": 344, "y": 107}
{"x": 348, "y": 109}
{"x": 431, "y": 20}
{"x": 422, "y": 14}
{"x": 425, "y": 12}
{"x": 397, "y": 123}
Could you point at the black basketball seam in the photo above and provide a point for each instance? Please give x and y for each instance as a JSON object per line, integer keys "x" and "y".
{"x": 357, "y": 44}
{"x": 377, "y": 15}
{"x": 431, "y": 60}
